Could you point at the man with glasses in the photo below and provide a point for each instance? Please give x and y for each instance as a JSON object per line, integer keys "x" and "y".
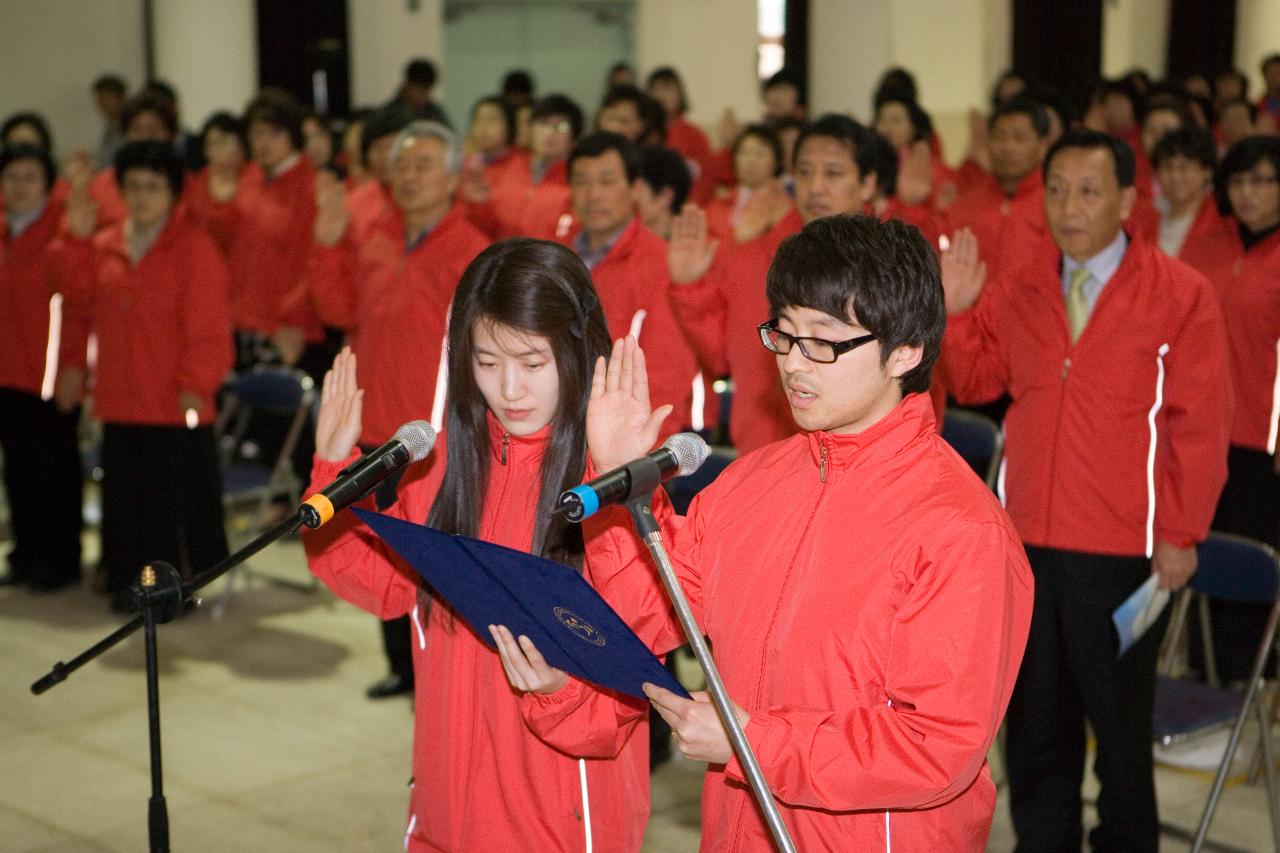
{"x": 1116, "y": 359}
{"x": 867, "y": 598}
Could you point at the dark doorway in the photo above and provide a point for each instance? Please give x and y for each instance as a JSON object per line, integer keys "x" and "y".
{"x": 795, "y": 43}
{"x": 300, "y": 38}
{"x": 1202, "y": 37}
{"x": 1059, "y": 44}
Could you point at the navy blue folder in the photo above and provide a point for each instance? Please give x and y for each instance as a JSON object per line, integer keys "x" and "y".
{"x": 548, "y": 602}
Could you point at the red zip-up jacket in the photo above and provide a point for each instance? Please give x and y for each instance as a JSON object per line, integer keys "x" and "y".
{"x": 163, "y": 326}
{"x": 267, "y": 228}
{"x": 482, "y": 779}
{"x": 105, "y": 193}
{"x": 690, "y": 142}
{"x": 868, "y": 602}
{"x": 1248, "y": 283}
{"x": 1011, "y": 231}
{"x": 31, "y": 282}
{"x": 1121, "y": 438}
{"x": 395, "y": 304}
{"x": 1210, "y": 242}
{"x": 632, "y": 283}
{"x": 719, "y": 314}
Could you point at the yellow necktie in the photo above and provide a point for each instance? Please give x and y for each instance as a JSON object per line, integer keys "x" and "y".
{"x": 1077, "y": 304}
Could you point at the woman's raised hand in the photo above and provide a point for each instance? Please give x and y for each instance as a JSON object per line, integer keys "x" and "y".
{"x": 341, "y": 401}
{"x": 620, "y": 425}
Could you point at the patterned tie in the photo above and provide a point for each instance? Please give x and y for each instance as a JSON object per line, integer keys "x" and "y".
{"x": 1077, "y": 304}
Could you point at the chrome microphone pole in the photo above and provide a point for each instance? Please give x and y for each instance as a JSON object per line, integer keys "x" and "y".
{"x": 642, "y": 513}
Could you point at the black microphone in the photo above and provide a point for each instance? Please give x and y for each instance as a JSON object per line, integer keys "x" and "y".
{"x": 411, "y": 443}
{"x": 680, "y": 455}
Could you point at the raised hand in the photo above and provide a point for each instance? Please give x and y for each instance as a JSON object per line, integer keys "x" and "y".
{"x": 728, "y": 128}
{"x": 341, "y": 402}
{"x": 80, "y": 210}
{"x": 526, "y": 669}
{"x": 620, "y": 424}
{"x": 690, "y": 252}
{"x": 763, "y": 210}
{"x": 963, "y": 272}
{"x": 332, "y": 215}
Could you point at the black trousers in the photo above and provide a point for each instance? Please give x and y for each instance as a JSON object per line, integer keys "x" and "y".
{"x": 42, "y": 479}
{"x": 161, "y": 500}
{"x": 1070, "y": 674}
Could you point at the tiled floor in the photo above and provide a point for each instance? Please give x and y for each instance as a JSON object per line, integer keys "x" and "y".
{"x": 269, "y": 743}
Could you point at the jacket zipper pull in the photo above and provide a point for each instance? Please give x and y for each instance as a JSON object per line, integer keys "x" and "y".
{"x": 506, "y": 441}
{"x": 1066, "y": 368}
{"x": 822, "y": 469}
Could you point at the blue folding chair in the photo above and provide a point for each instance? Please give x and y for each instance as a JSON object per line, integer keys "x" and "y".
{"x": 977, "y": 439}
{"x": 1231, "y": 568}
{"x": 250, "y": 482}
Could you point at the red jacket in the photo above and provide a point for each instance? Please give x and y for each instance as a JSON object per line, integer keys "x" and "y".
{"x": 268, "y": 231}
{"x": 367, "y": 202}
{"x": 105, "y": 192}
{"x": 1121, "y": 438}
{"x": 632, "y": 284}
{"x": 162, "y": 326}
{"x": 492, "y": 770}
{"x": 1204, "y": 247}
{"x": 875, "y": 649}
{"x": 1248, "y": 283}
{"x": 396, "y": 306}
{"x": 518, "y": 207}
{"x": 1011, "y": 231}
{"x": 31, "y": 278}
{"x": 719, "y": 314}
{"x": 690, "y": 142}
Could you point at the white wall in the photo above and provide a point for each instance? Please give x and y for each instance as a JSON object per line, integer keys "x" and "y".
{"x": 1134, "y": 35}
{"x": 208, "y": 52}
{"x": 384, "y": 35}
{"x": 955, "y": 49}
{"x": 1257, "y": 35}
{"x": 712, "y": 43}
{"x": 54, "y": 49}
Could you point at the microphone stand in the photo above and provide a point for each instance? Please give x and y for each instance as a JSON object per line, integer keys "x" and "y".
{"x": 640, "y": 507}
{"x": 162, "y": 597}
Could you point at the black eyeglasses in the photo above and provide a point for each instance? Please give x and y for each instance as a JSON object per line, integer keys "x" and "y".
{"x": 814, "y": 349}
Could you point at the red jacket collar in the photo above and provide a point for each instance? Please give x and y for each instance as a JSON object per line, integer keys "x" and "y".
{"x": 519, "y": 449}
{"x": 906, "y": 423}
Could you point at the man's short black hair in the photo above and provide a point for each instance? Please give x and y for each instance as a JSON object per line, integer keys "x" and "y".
{"x": 149, "y": 101}
{"x": 154, "y": 156}
{"x": 786, "y": 77}
{"x": 883, "y": 275}
{"x": 856, "y": 137}
{"x": 35, "y": 121}
{"x": 27, "y": 151}
{"x": 661, "y": 168}
{"x": 650, "y": 112}
{"x": 113, "y": 83}
{"x": 767, "y": 135}
{"x": 558, "y": 104}
{"x": 1121, "y": 154}
{"x": 601, "y": 142}
{"x": 1242, "y": 157}
{"x": 163, "y": 89}
{"x": 1023, "y": 105}
{"x": 896, "y": 83}
{"x": 385, "y": 122}
{"x": 421, "y": 71}
{"x": 518, "y": 82}
{"x": 278, "y": 108}
{"x": 1194, "y": 143}
{"x": 227, "y": 123}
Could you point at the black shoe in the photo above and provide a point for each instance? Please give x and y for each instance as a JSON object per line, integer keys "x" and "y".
{"x": 392, "y": 685}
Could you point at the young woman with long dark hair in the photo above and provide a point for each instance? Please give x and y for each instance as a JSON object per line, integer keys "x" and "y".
{"x": 509, "y": 753}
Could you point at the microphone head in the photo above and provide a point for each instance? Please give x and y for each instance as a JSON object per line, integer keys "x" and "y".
{"x": 689, "y": 450}
{"x": 418, "y": 437}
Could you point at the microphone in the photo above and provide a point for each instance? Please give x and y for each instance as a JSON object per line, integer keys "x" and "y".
{"x": 680, "y": 455}
{"x": 411, "y": 443}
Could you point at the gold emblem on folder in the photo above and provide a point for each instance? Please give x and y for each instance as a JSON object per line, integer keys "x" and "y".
{"x": 578, "y": 626}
